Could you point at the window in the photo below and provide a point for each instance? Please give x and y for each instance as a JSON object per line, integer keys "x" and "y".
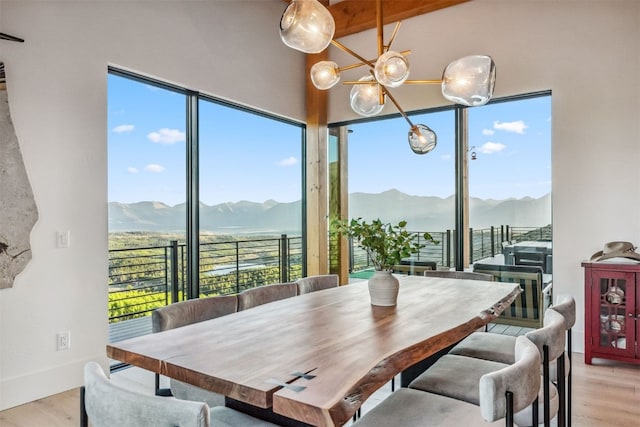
{"x": 508, "y": 165}
{"x": 201, "y": 192}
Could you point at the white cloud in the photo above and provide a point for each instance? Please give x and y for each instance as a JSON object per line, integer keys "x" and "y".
{"x": 154, "y": 168}
{"x": 518, "y": 126}
{"x": 167, "y": 136}
{"x": 491, "y": 147}
{"x": 488, "y": 132}
{"x": 131, "y": 169}
{"x": 289, "y": 161}
{"x": 123, "y": 128}
{"x": 446, "y": 157}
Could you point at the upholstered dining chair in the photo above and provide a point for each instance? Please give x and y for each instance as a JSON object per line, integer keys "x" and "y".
{"x": 107, "y": 405}
{"x": 468, "y": 275}
{"x": 185, "y": 313}
{"x": 501, "y": 393}
{"x": 263, "y": 294}
{"x": 566, "y": 306}
{"x": 497, "y": 348}
{"x": 316, "y": 283}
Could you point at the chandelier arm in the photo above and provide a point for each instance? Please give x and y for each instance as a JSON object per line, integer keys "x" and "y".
{"x": 360, "y": 64}
{"x": 400, "y": 110}
{"x": 393, "y": 36}
{"x": 352, "y": 53}
{"x": 422, "y": 82}
{"x": 379, "y": 27}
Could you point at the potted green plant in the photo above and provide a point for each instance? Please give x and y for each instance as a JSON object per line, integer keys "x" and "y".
{"x": 386, "y": 245}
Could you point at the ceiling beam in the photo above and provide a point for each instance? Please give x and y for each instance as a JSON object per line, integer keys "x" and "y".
{"x": 354, "y": 16}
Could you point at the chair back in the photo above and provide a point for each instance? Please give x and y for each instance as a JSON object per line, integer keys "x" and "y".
{"x": 521, "y": 379}
{"x": 566, "y": 305}
{"x": 532, "y": 258}
{"x": 551, "y": 335}
{"x": 263, "y": 294}
{"x": 526, "y": 310}
{"x": 416, "y": 263}
{"x": 411, "y": 270}
{"x": 108, "y": 405}
{"x": 316, "y": 283}
{"x": 192, "y": 311}
{"x": 468, "y": 275}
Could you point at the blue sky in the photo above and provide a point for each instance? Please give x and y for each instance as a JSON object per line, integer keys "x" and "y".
{"x": 249, "y": 157}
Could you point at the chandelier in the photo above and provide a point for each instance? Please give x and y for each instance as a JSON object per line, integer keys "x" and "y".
{"x": 307, "y": 26}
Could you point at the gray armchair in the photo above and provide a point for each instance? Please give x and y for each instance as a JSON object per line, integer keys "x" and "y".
{"x": 317, "y": 283}
{"x": 108, "y": 405}
{"x": 185, "y": 313}
{"x": 263, "y": 294}
{"x": 502, "y": 392}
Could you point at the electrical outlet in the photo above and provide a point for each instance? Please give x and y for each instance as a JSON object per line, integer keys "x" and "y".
{"x": 63, "y": 340}
{"x": 63, "y": 239}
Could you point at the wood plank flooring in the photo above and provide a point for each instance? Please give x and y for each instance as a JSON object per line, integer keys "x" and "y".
{"x": 606, "y": 394}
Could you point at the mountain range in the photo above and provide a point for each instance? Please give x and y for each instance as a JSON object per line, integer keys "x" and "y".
{"x": 422, "y": 213}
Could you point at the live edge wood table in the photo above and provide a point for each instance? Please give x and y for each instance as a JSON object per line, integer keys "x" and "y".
{"x": 348, "y": 347}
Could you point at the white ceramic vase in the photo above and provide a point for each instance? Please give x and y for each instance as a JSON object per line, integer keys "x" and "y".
{"x": 383, "y": 288}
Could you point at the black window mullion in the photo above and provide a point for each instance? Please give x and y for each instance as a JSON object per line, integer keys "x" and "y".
{"x": 193, "y": 198}
{"x": 460, "y": 212}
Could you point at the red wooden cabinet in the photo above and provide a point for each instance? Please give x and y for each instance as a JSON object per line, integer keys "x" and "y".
{"x": 612, "y": 311}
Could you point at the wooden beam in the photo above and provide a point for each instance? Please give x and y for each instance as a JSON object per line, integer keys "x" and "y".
{"x": 354, "y": 16}
{"x": 316, "y": 173}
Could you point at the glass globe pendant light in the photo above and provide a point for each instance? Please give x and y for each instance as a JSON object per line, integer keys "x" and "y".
{"x": 307, "y": 26}
{"x": 365, "y": 98}
{"x": 422, "y": 139}
{"x": 392, "y": 69}
{"x": 470, "y": 80}
{"x": 325, "y": 74}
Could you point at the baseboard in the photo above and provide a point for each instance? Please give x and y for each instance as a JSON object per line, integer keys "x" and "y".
{"x": 37, "y": 385}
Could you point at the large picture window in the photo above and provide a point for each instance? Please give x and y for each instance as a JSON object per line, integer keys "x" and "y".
{"x": 205, "y": 197}
{"x": 501, "y": 155}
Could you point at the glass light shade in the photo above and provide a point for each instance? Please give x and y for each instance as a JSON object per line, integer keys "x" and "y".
{"x": 470, "y": 80}
{"x": 306, "y": 25}
{"x": 325, "y": 74}
{"x": 422, "y": 139}
{"x": 391, "y": 69}
{"x": 365, "y": 98}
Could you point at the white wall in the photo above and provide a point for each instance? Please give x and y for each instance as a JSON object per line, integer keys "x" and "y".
{"x": 57, "y": 94}
{"x": 586, "y": 52}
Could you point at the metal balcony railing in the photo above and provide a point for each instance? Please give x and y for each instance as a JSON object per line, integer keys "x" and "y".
{"x": 484, "y": 243}
{"x": 143, "y": 279}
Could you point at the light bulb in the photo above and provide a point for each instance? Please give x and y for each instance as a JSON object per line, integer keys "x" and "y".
{"x": 325, "y": 74}
{"x": 391, "y": 69}
{"x": 470, "y": 80}
{"x": 307, "y": 26}
{"x": 365, "y": 98}
{"x": 422, "y": 139}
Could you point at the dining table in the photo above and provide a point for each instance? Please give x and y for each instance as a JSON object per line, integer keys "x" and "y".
{"x": 315, "y": 358}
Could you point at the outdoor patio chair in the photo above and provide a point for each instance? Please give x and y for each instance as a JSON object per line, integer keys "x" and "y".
{"x": 468, "y": 275}
{"x": 528, "y": 307}
{"x": 107, "y": 404}
{"x": 411, "y": 269}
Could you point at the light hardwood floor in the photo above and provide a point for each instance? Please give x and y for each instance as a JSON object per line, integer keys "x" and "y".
{"x": 606, "y": 394}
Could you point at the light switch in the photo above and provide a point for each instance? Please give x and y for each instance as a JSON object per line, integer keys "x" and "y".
{"x": 63, "y": 239}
